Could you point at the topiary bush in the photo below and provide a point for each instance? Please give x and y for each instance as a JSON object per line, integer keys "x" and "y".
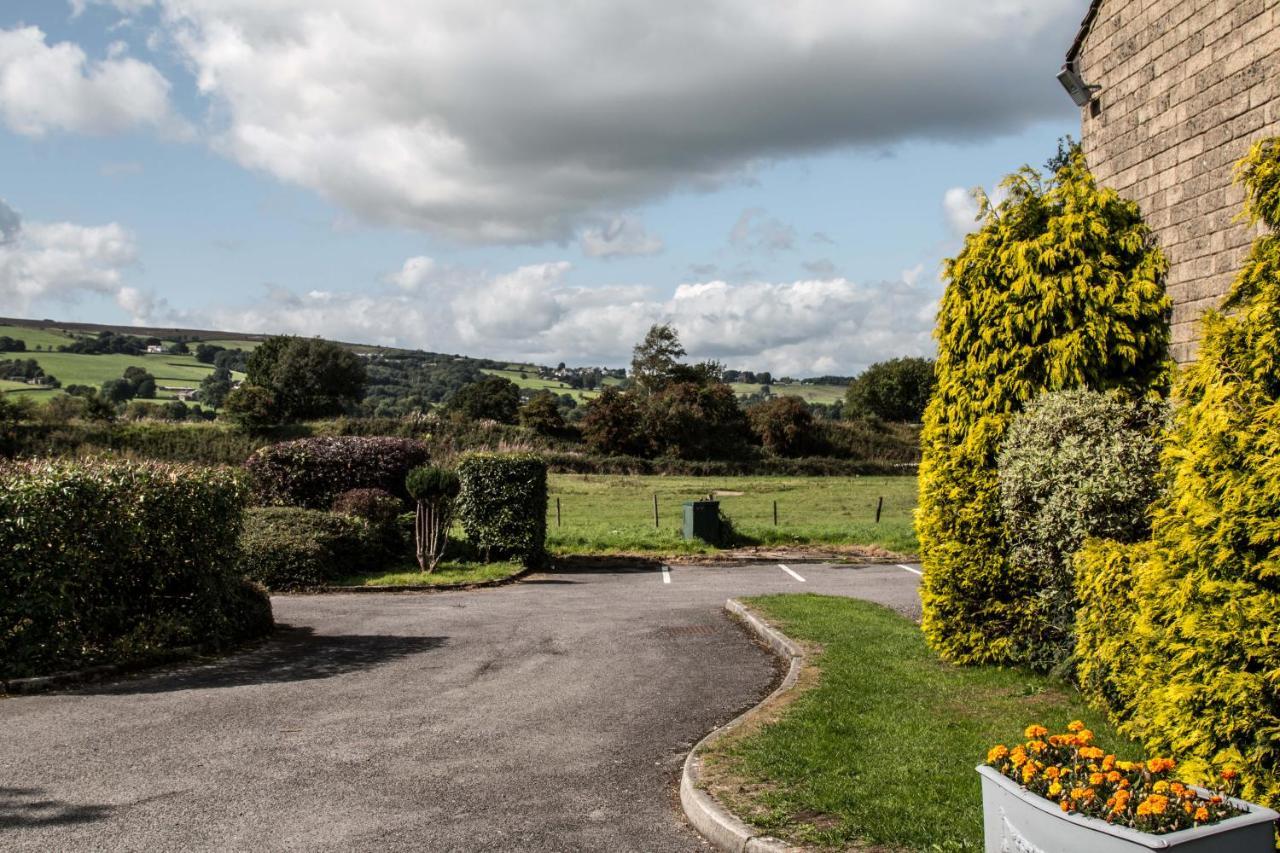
{"x": 1060, "y": 287}
{"x": 108, "y": 562}
{"x": 312, "y": 472}
{"x": 503, "y": 505}
{"x": 1183, "y": 649}
{"x": 1075, "y": 464}
{"x": 289, "y": 548}
{"x": 435, "y": 489}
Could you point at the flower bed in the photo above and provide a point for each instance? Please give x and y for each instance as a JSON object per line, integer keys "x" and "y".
{"x": 1072, "y": 771}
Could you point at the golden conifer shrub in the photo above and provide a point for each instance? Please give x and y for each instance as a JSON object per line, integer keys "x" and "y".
{"x": 1179, "y": 636}
{"x": 1060, "y": 287}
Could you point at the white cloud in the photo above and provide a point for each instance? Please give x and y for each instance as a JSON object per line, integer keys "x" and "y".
{"x": 495, "y": 121}
{"x": 61, "y": 262}
{"x": 800, "y": 327}
{"x": 618, "y": 237}
{"x": 414, "y": 273}
{"x": 46, "y": 88}
{"x": 961, "y": 210}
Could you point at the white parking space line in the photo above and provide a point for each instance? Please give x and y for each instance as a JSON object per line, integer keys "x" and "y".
{"x": 793, "y": 574}
{"x": 666, "y": 575}
{"x": 913, "y": 571}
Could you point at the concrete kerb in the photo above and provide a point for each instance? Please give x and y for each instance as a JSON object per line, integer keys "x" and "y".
{"x": 712, "y": 820}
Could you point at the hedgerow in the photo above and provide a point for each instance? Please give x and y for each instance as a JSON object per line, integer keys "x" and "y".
{"x": 503, "y": 505}
{"x": 1060, "y": 287}
{"x": 1177, "y": 635}
{"x": 288, "y": 548}
{"x": 311, "y": 472}
{"x": 107, "y": 562}
{"x": 1075, "y": 464}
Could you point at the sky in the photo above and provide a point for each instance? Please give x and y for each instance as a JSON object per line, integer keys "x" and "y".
{"x": 534, "y": 181}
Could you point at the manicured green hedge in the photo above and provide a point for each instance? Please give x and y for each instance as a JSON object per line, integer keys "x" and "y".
{"x": 1178, "y": 635}
{"x": 1060, "y": 287}
{"x": 290, "y": 548}
{"x": 503, "y": 505}
{"x": 107, "y": 562}
{"x": 312, "y": 472}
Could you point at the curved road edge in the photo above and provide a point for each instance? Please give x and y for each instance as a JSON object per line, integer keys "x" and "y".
{"x": 716, "y": 824}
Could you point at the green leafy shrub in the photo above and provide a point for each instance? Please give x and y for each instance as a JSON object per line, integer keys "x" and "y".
{"x": 503, "y": 505}
{"x": 311, "y": 472}
{"x": 1075, "y": 464}
{"x": 1059, "y": 288}
{"x": 893, "y": 390}
{"x": 381, "y": 511}
{"x": 783, "y": 425}
{"x": 106, "y": 562}
{"x": 1177, "y": 635}
{"x": 287, "y": 548}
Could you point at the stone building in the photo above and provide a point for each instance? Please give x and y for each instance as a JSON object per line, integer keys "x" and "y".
{"x": 1177, "y": 91}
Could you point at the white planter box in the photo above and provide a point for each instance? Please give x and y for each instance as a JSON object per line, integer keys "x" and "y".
{"x": 1018, "y": 821}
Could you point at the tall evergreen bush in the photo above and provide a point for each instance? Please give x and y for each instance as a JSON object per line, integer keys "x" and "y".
{"x": 1178, "y": 635}
{"x": 1060, "y": 287}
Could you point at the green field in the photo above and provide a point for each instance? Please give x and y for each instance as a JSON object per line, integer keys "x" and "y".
{"x": 614, "y": 514}
{"x": 229, "y": 344}
{"x": 825, "y": 394}
{"x": 882, "y": 750}
{"x": 43, "y": 338}
{"x": 533, "y": 382}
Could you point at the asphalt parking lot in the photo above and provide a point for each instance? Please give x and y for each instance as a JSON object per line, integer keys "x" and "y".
{"x": 552, "y": 714}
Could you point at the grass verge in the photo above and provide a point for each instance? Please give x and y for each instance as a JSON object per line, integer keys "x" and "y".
{"x": 882, "y": 751}
{"x": 446, "y": 574}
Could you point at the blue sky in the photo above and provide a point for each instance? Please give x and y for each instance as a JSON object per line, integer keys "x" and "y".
{"x": 541, "y": 184}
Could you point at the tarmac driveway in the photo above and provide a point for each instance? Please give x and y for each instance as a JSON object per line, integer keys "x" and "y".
{"x": 548, "y": 715}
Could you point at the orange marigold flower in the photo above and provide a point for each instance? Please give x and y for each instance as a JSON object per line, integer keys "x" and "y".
{"x": 997, "y": 753}
{"x": 1034, "y": 731}
{"x": 1096, "y": 778}
{"x": 1090, "y": 752}
{"x": 1114, "y": 776}
{"x": 1160, "y": 765}
{"x": 1202, "y": 814}
{"x": 1229, "y": 774}
{"x": 1086, "y": 736}
{"x": 1075, "y": 726}
{"x": 1160, "y": 787}
{"x": 1065, "y": 805}
{"x": 1052, "y": 771}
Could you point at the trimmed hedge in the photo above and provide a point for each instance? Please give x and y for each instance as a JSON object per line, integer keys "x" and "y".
{"x": 1060, "y": 287}
{"x": 1075, "y": 465}
{"x": 111, "y": 562}
{"x": 503, "y": 505}
{"x": 290, "y": 548}
{"x": 1177, "y": 636}
{"x": 312, "y": 472}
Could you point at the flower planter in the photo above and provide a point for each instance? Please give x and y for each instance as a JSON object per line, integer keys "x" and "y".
{"x": 1018, "y": 821}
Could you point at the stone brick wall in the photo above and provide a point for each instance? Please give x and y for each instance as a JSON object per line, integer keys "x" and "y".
{"x": 1187, "y": 85}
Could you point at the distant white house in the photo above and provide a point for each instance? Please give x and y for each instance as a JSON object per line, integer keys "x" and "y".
{"x": 155, "y": 348}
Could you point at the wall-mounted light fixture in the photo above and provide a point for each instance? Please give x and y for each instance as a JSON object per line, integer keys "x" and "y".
{"x": 1080, "y": 91}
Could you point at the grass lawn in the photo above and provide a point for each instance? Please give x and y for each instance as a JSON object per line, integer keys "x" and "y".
{"x": 614, "y": 514}
{"x": 883, "y": 750}
{"x": 446, "y": 574}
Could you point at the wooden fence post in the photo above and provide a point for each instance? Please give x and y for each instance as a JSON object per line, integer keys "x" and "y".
{"x": 655, "y": 510}
{"x": 879, "y": 506}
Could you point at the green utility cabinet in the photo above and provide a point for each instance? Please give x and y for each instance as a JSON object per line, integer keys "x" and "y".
{"x": 702, "y": 521}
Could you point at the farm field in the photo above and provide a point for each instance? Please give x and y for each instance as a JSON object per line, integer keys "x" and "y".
{"x": 614, "y": 514}
{"x": 825, "y": 394}
{"x": 531, "y": 381}
{"x": 43, "y": 338}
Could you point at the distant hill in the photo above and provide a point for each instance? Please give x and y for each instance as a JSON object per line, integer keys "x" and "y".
{"x": 400, "y": 379}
